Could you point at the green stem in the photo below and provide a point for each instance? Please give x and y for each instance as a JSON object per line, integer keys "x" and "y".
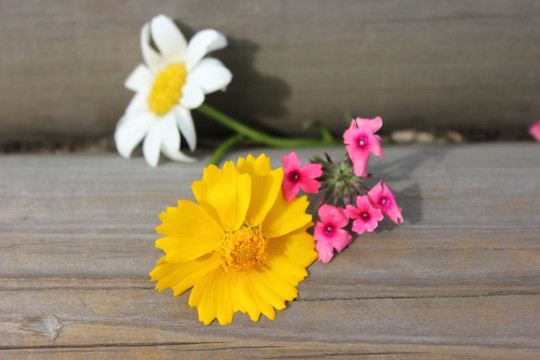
{"x": 216, "y": 156}
{"x": 258, "y": 136}
{"x": 325, "y": 134}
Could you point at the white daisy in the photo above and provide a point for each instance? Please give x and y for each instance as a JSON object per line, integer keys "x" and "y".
{"x": 172, "y": 81}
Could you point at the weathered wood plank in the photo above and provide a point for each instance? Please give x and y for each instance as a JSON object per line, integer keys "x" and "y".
{"x": 418, "y": 63}
{"x": 459, "y": 279}
{"x": 92, "y": 320}
{"x": 250, "y": 349}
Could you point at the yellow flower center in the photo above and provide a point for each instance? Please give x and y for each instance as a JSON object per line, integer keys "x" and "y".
{"x": 167, "y": 88}
{"x": 243, "y": 249}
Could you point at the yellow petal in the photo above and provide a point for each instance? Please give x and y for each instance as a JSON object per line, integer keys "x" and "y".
{"x": 213, "y": 298}
{"x": 224, "y": 194}
{"x": 191, "y": 232}
{"x": 272, "y": 289}
{"x": 265, "y": 186}
{"x": 258, "y": 165}
{"x": 251, "y": 283}
{"x": 203, "y": 296}
{"x": 285, "y": 217}
{"x": 222, "y": 292}
{"x": 297, "y": 246}
{"x": 251, "y": 298}
{"x": 182, "y": 276}
{"x": 246, "y": 298}
{"x": 276, "y": 288}
{"x": 200, "y": 287}
{"x": 231, "y": 287}
{"x": 287, "y": 269}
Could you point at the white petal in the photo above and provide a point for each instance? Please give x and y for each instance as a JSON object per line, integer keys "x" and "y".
{"x": 141, "y": 78}
{"x": 152, "y": 145}
{"x": 138, "y": 103}
{"x": 210, "y": 75}
{"x": 171, "y": 140}
{"x": 186, "y": 126}
{"x": 192, "y": 96}
{"x": 201, "y": 44}
{"x": 154, "y": 61}
{"x": 168, "y": 38}
{"x": 129, "y": 132}
{"x": 170, "y": 135}
{"x": 176, "y": 155}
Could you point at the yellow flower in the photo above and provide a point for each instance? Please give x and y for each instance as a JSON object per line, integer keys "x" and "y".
{"x": 243, "y": 247}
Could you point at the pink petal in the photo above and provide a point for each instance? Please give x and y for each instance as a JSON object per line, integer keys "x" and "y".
{"x": 534, "y": 130}
{"x": 352, "y": 212}
{"x": 290, "y": 162}
{"x": 393, "y": 211}
{"x": 359, "y": 155}
{"x": 375, "y": 145}
{"x": 363, "y": 203}
{"x": 394, "y": 214}
{"x": 363, "y": 129}
{"x": 373, "y": 223}
{"x": 340, "y": 218}
{"x": 359, "y": 226}
{"x": 360, "y": 160}
{"x": 342, "y": 239}
{"x": 320, "y": 234}
{"x": 336, "y": 217}
{"x": 325, "y": 251}
{"x": 375, "y": 215}
{"x": 349, "y": 136}
{"x": 290, "y": 189}
{"x": 311, "y": 171}
{"x": 326, "y": 212}
{"x": 390, "y": 209}
{"x": 309, "y": 186}
{"x": 373, "y": 124}
{"x": 375, "y": 194}
{"x": 323, "y": 244}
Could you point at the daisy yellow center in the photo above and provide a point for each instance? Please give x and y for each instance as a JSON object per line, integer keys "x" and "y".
{"x": 243, "y": 249}
{"x": 167, "y": 88}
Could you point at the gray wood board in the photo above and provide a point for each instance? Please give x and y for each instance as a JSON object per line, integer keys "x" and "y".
{"x": 417, "y": 63}
{"x": 458, "y": 279}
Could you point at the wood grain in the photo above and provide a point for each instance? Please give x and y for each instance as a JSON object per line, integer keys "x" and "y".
{"x": 459, "y": 279}
{"x": 417, "y": 63}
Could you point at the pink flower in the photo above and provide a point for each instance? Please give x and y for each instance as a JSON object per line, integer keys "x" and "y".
{"x": 329, "y": 234}
{"x": 381, "y": 197}
{"x": 367, "y": 217}
{"x": 296, "y": 178}
{"x": 361, "y": 140}
{"x": 534, "y": 130}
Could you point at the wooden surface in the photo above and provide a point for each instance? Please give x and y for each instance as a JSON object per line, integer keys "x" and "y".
{"x": 465, "y": 65}
{"x": 460, "y": 279}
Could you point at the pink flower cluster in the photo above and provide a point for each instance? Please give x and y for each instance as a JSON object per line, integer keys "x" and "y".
{"x": 344, "y": 197}
{"x": 329, "y": 233}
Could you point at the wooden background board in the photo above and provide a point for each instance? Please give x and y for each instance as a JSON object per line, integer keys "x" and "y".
{"x": 417, "y": 63}
{"x": 459, "y": 279}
